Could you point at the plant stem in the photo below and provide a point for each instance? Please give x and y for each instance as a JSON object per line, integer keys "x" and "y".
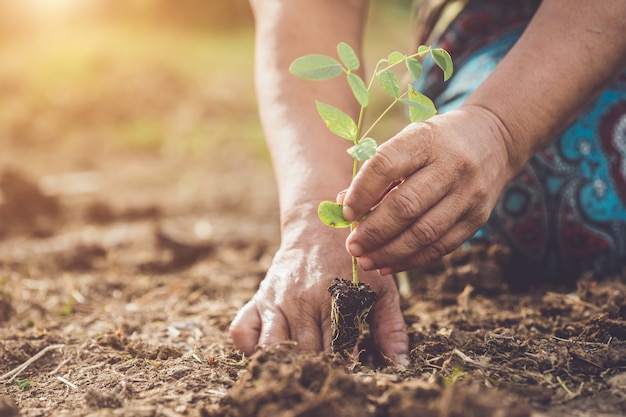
{"x": 359, "y": 137}
{"x": 393, "y": 103}
{"x": 355, "y": 271}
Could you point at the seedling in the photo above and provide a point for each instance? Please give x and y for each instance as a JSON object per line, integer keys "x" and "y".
{"x": 23, "y": 384}
{"x": 352, "y": 301}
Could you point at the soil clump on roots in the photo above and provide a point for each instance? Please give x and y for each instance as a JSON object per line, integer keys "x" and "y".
{"x": 350, "y": 306}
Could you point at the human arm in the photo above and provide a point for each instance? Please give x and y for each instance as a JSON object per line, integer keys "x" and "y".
{"x": 455, "y": 165}
{"x": 311, "y": 165}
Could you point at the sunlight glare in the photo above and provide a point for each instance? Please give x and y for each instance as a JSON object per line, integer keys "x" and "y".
{"x": 51, "y": 9}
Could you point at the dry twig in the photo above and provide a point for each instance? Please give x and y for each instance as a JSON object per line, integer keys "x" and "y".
{"x": 68, "y": 383}
{"x": 15, "y": 372}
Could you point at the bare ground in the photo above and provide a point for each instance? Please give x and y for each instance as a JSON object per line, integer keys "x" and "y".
{"x": 113, "y": 310}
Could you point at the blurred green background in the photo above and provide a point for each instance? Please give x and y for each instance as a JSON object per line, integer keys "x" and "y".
{"x": 115, "y": 85}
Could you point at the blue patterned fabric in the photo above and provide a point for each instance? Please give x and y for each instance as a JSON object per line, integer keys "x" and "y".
{"x": 565, "y": 214}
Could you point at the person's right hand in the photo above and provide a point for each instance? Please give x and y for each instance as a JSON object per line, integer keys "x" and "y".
{"x": 293, "y": 303}
{"x": 451, "y": 170}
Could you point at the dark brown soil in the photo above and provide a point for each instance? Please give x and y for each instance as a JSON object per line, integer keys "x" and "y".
{"x": 350, "y": 305}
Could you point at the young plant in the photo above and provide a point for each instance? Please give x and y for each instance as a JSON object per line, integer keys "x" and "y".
{"x": 23, "y": 384}
{"x": 351, "y": 303}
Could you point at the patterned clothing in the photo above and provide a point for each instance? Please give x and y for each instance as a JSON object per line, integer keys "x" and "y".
{"x": 565, "y": 214}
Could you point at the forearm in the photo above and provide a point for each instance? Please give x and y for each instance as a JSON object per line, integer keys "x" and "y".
{"x": 310, "y": 163}
{"x": 570, "y": 51}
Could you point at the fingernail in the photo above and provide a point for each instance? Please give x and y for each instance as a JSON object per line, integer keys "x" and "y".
{"x": 348, "y": 213}
{"x": 403, "y": 360}
{"x": 355, "y": 249}
{"x": 366, "y": 263}
{"x": 386, "y": 270}
{"x": 340, "y": 196}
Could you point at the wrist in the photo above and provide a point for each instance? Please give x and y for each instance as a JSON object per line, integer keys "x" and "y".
{"x": 301, "y": 221}
{"x": 519, "y": 148}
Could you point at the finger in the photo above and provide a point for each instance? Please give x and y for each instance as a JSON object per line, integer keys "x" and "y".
{"x": 398, "y": 210}
{"x": 394, "y": 160}
{"x": 246, "y": 328}
{"x": 306, "y": 328}
{"x": 425, "y": 231}
{"x": 327, "y": 336}
{"x": 388, "y": 326}
{"x": 455, "y": 237}
{"x": 326, "y": 327}
{"x": 342, "y": 194}
{"x": 274, "y": 330}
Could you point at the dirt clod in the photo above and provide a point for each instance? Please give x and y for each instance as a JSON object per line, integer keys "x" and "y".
{"x": 24, "y": 208}
{"x": 284, "y": 383}
{"x": 102, "y": 399}
{"x": 8, "y": 408}
{"x": 6, "y": 309}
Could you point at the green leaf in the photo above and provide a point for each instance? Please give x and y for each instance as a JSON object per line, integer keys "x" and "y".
{"x": 348, "y": 56}
{"x": 364, "y": 150}
{"x": 414, "y": 67}
{"x": 331, "y": 214}
{"x": 423, "y": 50}
{"x": 395, "y": 57}
{"x": 444, "y": 61}
{"x": 420, "y": 107}
{"x": 389, "y": 82}
{"x": 359, "y": 89}
{"x": 316, "y": 67}
{"x": 337, "y": 121}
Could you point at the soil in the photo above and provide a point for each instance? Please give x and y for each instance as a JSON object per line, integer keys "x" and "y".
{"x": 110, "y": 310}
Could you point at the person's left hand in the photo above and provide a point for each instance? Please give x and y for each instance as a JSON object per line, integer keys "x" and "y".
{"x": 452, "y": 170}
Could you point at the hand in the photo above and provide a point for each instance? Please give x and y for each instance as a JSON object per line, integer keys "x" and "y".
{"x": 293, "y": 303}
{"x": 452, "y": 170}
